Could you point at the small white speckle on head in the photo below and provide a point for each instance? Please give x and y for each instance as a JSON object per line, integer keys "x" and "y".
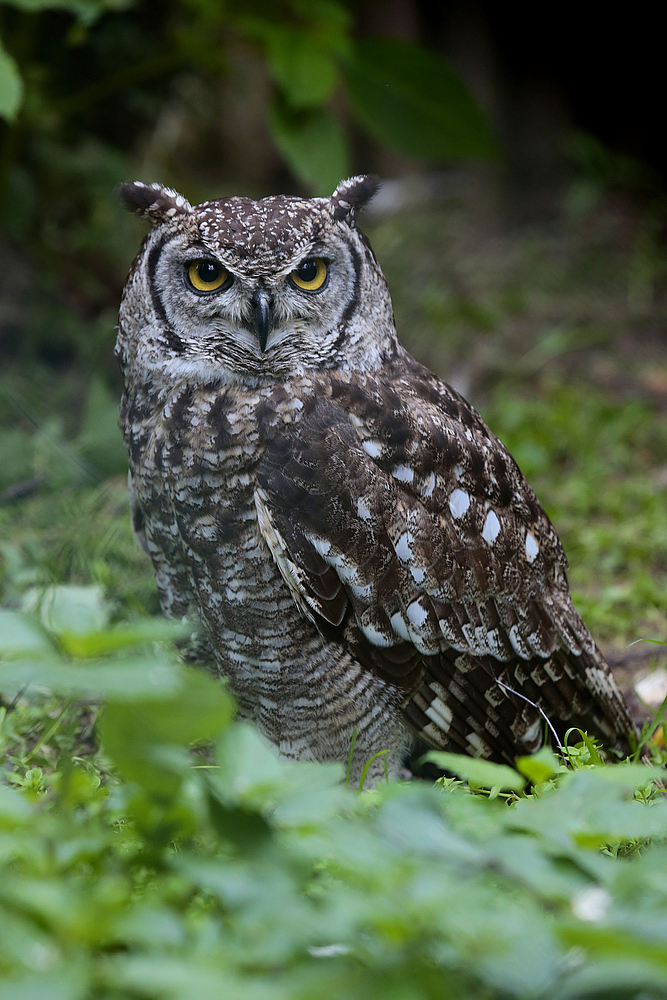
{"x": 459, "y": 502}
{"x": 417, "y": 574}
{"x": 532, "y": 548}
{"x": 491, "y": 528}
{"x": 372, "y": 448}
{"x": 403, "y": 550}
{"x": 417, "y": 615}
{"x": 403, "y": 473}
{"x": 363, "y": 510}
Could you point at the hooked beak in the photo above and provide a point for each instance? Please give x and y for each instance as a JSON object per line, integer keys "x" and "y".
{"x": 261, "y": 314}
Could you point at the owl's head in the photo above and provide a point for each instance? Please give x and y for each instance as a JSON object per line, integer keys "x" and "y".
{"x": 237, "y": 289}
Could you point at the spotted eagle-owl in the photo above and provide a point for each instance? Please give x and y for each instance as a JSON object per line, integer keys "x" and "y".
{"x": 363, "y": 552}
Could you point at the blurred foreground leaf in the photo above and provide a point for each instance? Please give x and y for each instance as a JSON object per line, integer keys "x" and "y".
{"x": 410, "y": 99}
{"x": 314, "y": 145}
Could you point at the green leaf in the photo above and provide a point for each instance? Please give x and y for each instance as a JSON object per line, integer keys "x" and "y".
{"x": 302, "y": 65}
{"x": 125, "y": 636}
{"x": 313, "y": 144}
{"x": 11, "y": 86}
{"x": 133, "y": 679}
{"x": 19, "y": 636}
{"x": 14, "y": 808}
{"x": 67, "y": 609}
{"x": 140, "y": 736}
{"x": 540, "y": 766}
{"x": 480, "y": 772}
{"x": 410, "y": 99}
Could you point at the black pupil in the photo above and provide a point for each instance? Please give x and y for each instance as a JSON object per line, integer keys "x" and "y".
{"x": 308, "y": 270}
{"x": 208, "y": 271}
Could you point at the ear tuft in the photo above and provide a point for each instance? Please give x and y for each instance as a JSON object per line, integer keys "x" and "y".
{"x": 352, "y": 195}
{"x": 153, "y": 201}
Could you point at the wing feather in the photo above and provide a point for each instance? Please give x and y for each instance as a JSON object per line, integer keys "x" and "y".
{"x": 405, "y": 529}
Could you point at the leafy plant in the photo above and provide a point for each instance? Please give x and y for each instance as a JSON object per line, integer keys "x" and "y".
{"x": 148, "y": 869}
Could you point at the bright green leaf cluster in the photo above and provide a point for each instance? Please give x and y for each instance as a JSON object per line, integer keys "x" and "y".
{"x": 149, "y": 869}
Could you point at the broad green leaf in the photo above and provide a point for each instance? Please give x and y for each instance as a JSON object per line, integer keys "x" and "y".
{"x": 69, "y": 609}
{"x": 480, "y": 772}
{"x": 540, "y": 766}
{"x": 410, "y": 99}
{"x": 59, "y": 983}
{"x": 313, "y": 144}
{"x": 11, "y": 86}
{"x": 152, "y": 676}
{"x": 14, "y": 808}
{"x": 21, "y": 637}
{"x": 138, "y": 737}
{"x": 125, "y": 636}
{"x": 414, "y": 824}
{"x": 302, "y": 65}
{"x": 194, "y": 977}
{"x": 591, "y": 808}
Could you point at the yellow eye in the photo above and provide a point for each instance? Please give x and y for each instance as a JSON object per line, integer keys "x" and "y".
{"x": 207, "y": 275}
{"x": 310, "y": 275}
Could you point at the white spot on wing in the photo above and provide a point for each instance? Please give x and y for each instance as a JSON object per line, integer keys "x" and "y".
{"x": 417, "y": 574}
{"x": 372, "y": 448}
{"x": 399, "y": 626}
{"x": 417, "y": 615}
{"x": 403, "y": 473}
{"x": 363, "y": 509}
{"x": 459, "y": 502}
{"x": 491, "y": 528}
{"x": 403, "y": 550}
{"x": 477, "y": 743}
{"x": 429, "y": 485}
{"x": 321, "y": 545}
{"x": 532, "y": 548}
{"x": 375, "y": 637}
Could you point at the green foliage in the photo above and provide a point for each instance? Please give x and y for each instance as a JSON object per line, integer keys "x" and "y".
{"x": 411, "y": 100}
{"x": 148, "y": 869}
{"x": 591, "y": 460}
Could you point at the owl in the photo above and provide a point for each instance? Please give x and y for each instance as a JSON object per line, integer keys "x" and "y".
{"x": 368, "y": 563}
